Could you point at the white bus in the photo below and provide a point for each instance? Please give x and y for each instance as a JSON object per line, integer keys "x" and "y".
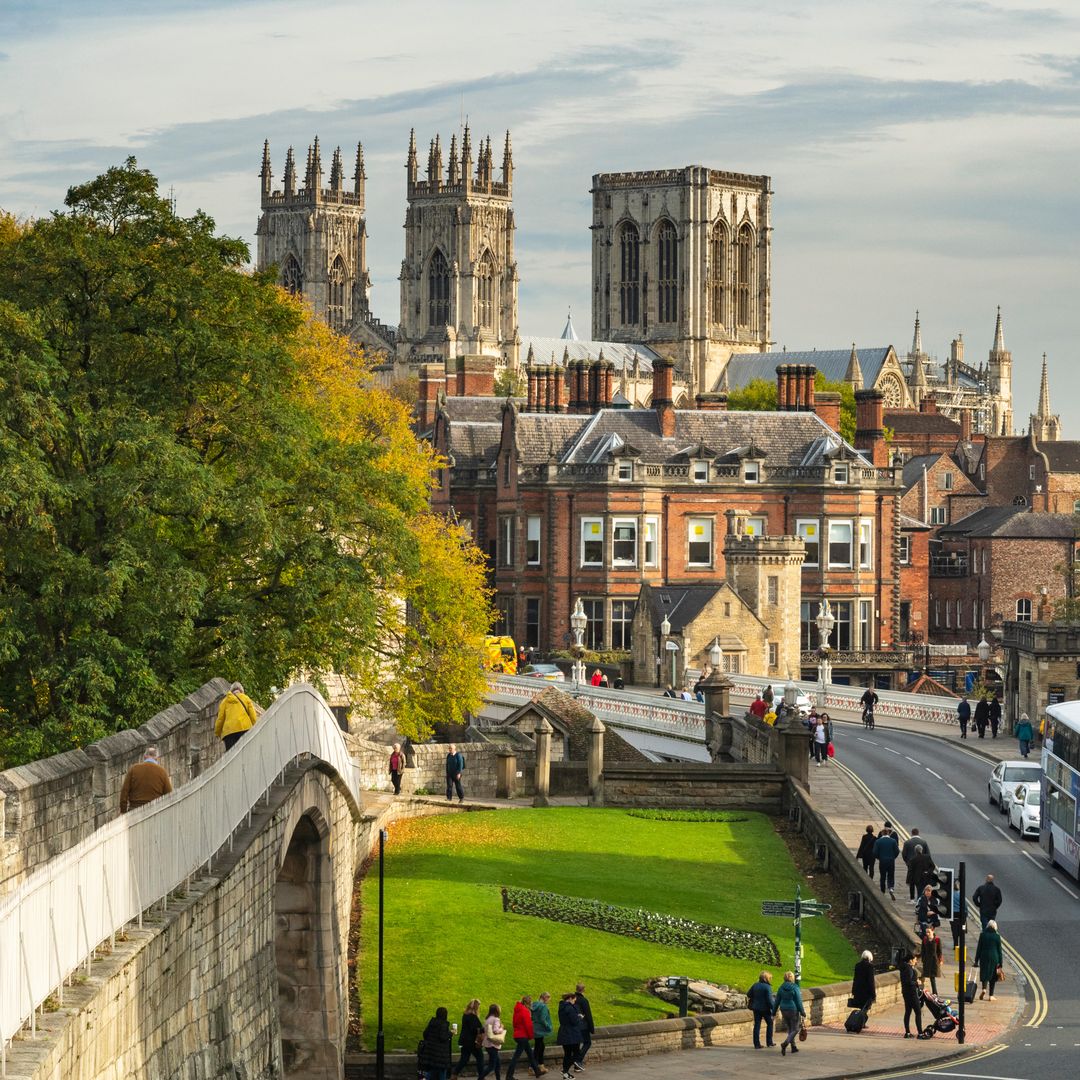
{"x": 1061, "y": 786}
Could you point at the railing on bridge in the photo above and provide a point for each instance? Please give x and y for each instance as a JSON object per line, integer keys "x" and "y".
{"x": 52, "y": 924}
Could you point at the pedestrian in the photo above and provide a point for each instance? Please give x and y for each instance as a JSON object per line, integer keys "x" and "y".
{"x": 470, "y": 1039}
{"x": 494, "y": 1036}
{"x": 987, "y": 899}
{"x": 821, "y": 741}
{"x": 926, "y": 912}
{"x": 758, "y": 707}
{"x": 235, "y": 716}
{"x": 523, "y": 1036}
{"x": 865, "y": 854}
{"x": 588, "y": 1027}
{"x": 788, "y": 1003}
{"x": 930, "y": 952}
{"x": 397, "y": 767}
{"x": 760, "y": 1000}
{"x": 909, "y": 988}
{"x": 596, "y": 678}
{"x": 1024, "y": 734}
{"x": 863, "y": 983}
{"x": 994, "y": 715}
{"x": 617, "y": 683}
{"x": 988, "y": 957}
{"x": 571, "y": 1030}
{"x": 963, "y": 714}
{"x": 542, "y": 1029}
{"x": 886, "y": 850}
{"x": 670, "y": 692}
{"x": 982, "y": 715}
{"x": 920, "y": 871}
{"x": 435, "y": 1054}
{"x": 455, "y": 766}
{"x": 145, "y": 782}
{"x": 603, "y": 681}
{"x": 767, "y": 695}
{"x": 910, "y": 844}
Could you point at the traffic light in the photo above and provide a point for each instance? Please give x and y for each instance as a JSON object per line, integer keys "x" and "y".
{"x": 942, "y": 882}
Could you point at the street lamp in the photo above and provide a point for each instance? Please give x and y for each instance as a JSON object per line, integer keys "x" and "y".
{"x": 665, "y": 630}
{"x": 825, "y": 622}
{"x": 578, "y": 622}
{"x": 716, "y": 655}
{"x": 791, "y": 697}
{"x": 983, "y": 649}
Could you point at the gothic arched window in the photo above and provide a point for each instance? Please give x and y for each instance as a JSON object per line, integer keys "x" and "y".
{"x": 292, "y": 278}
{"x": 629, "y": 275}
{"x": 438, "y": 290}
{"x": 717, "y": 273}
{"x": 667, "y": 273}
{"x": 485, "y": 291}
{"x": 338, "y": 283}
{"x": 744, "y": 271}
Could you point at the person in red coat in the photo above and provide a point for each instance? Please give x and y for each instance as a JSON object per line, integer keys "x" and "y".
{"x": 523, "y": 1036}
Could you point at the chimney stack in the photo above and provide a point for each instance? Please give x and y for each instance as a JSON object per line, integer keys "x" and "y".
{"x": 809, "y": 372}
{"x": 965, "y": 425}
{"x": 870, "y": 426}
{"x": 432, "y": 382}
{"x": 582, "y": 386}
{"x": 712, "y": 402}
{"x": 827, "y": 406}
{"x": 609, "y": 382}
{"x": 662, "y": 395}
{"x": 928, "y": 404}
{"x": 782, "y": 371}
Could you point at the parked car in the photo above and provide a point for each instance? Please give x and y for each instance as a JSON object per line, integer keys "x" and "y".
{"x": 548, "y": 672}
{"x": 1024, "y": 810}
{"x": 1007, "y": 777}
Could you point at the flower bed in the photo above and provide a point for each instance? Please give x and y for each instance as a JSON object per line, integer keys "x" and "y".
{"x": 687, "y": 815}
{"x": 644, "y": 925}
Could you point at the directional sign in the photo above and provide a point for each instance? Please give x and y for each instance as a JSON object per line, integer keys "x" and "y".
{"x": 778, "y": 907}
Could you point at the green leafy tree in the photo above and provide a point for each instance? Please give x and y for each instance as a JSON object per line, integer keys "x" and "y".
{"x": 202, "y": 480}
{"x": 510, "y": 382}
{"x": 759, "y": 395}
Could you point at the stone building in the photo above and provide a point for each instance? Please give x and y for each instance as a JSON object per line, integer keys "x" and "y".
{"x": 570, "y": 497}
{"x": 1042, "y": 667}
{"x": 681, "y": 263}
{"x": 316, "y": 236}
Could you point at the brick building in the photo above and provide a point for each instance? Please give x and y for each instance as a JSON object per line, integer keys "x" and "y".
{"x": 572, "y": 498}
{"x": 1042, "y": 667}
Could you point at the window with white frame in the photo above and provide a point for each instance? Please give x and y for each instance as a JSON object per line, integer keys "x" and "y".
{"x": 622, "y": 616}
{"x": 946, "y": 481}
{"x": 624, "y": 533}
{"x": 1023, "y": 610}
{"x": 937, "y": 613}
{"x": 774, "y": 654}
{"x": 948, "y": 614}
{"x": 626, "y": 470}
{"x": 866, "y": 626}
{"x": 532, "y": 622}
{"x": 699, "y": 541}
{"x": 840, "y": 543}
{"x": 959, "y": 615}
{"x": 594, "y": 623}
{"x": 1031, "y": 472}
{"x": 751, "y": 472}
{"x": 984, "y": 560}
{"x": 506, "y": 541}
{"x": 592, "y": 541}
{"x": 652, "y": 541}
{"x": 840, "y": 474}
{"x": 937, "y": 515}
{"x": 865, "y": 546}
{"x": 810, "y": 534}
{"x": 532, "y": 541}
{"x": 701, "y": 472}
{"x": 905, "y": 550}
{"x": 755, "y": 526}
{"x": 841, "y": 635}
{"x": 975, "y": 614}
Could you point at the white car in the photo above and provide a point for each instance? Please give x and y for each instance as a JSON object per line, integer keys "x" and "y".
{"x": 1007, "y": 777}
{"x": 1024, "y": 810}
{"x": 547, "y": 672}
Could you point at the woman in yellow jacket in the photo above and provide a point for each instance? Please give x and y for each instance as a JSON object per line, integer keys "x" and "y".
{"x": 236, "y": 714}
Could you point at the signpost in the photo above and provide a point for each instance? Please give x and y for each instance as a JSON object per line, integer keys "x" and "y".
{"x": 798, "y": 910}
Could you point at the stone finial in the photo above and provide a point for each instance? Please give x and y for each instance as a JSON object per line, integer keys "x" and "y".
{"x": 596, "y": 727}
{"x": 543, "y": 726}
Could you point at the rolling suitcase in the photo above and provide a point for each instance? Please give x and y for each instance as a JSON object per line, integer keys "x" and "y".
{"x": 969, "y": 991}
{"x": 856, "y": 1021}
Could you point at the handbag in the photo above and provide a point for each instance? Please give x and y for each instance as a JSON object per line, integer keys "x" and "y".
{"x": 999, "y": 973}
{"x": 802, "y": 1033}
{"x": 830, "y": 750}
{"x": 852, "y": 1003}
{"x": 480, "y": 1039}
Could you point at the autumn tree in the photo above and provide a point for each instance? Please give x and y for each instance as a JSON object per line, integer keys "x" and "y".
{"x": 202, "y": 480}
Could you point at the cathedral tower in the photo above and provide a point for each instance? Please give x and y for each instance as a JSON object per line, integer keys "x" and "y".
{"x": 459, "y": 280}
{"x": 999, "y": 383}
{"x": 681, "y": 263}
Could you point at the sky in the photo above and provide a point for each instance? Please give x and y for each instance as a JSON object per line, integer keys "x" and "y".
{"x": 924, "y": 155}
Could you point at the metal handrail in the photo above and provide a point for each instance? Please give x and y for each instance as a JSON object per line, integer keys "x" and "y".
{"x": 53, "y": 922}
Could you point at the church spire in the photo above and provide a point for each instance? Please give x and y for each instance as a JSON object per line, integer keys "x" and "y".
{"x": 1044, "y": 393}
{"x": 452, "y": 169}
{"x": 290, "y": 173}
{"x": 360, "y": 175}
{"x": 916, "y": 341}
{"x": 337, "y": 172}
{"x": 854, "y": 374}
{"x": 410, "y": 161}
{"x": 316, "y": 168}
{"x": 508, "y": 162}
{"x": 999, "y": 334}
{"x": 265, "y": 175}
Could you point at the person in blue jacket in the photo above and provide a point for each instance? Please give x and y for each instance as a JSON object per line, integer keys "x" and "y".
{"x": 789, "y": 1005}
{"x": 760, "y": 1000}
{"x": 886, "y": 850}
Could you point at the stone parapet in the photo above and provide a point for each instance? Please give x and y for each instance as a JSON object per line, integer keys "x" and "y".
{"x": 719, "y": 786}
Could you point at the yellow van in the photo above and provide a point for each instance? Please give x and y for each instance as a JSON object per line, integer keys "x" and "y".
{"x": 500, "y": 654}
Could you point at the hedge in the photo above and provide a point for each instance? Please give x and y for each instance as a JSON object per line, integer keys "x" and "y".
{"x": 687, "y": 815}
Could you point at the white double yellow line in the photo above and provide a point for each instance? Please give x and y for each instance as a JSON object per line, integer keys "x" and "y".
{"x": 952, "y": 1063}
{"x": 1041, "y": 1003}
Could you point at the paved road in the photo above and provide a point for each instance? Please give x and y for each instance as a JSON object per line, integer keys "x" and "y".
{"x": 941, "y": 788}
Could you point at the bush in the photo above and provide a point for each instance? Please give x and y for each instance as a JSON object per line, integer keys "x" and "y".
{"x": 686, "y": 815}
{"x": 643, "y": 925}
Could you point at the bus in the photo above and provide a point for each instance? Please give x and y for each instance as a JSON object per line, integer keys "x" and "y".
{"x": 1058, "y": 835}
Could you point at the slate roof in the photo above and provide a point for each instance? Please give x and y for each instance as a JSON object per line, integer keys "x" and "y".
{"x": 620, "y": 353}
{"x": 486, "y": 408}
{"x": 909, "y": 524}
{"x": 913, "y": 468}
{"x": 475, "y": 445}
{"x": 543, "y": 436}
{"x": 913, "y": 422}
{"x": 832, "y": 363}
{"x": 682, "y": 604}
{"x": 1013, "y": 523}
{"x": 1063, "y": 456}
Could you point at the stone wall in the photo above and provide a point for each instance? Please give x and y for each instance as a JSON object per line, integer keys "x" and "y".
{"x": 50, "y": 805}
{"x": 720, "y": 787}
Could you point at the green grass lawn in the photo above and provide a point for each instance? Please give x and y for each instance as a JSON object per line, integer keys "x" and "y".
{"x": 447, "y": 938}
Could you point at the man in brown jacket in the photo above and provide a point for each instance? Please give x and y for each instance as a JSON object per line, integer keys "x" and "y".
{"x": 144, "y": 782}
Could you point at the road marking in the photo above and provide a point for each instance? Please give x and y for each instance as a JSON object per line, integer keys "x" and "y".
{"x": 1003, "y": 833}
{"x": 936, "y": 776}
{"x": 956, "y": 791}
{"x": 1066, "y": 888}
{"x": 890, "y": 750}
{"x": 870, "y": 741}
{"x": 979, "y": 812}
{"x": 1028, "y": 855}
{"x": 913, "y": 761}
{"x": 974, "y": 1076}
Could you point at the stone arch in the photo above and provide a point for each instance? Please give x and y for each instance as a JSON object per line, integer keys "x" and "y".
{"x": 306, "y": 953}
{"x": 292, "y": 277}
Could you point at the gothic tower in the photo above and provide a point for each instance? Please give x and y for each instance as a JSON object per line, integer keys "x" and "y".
{"x": 459, "y": 280}
{"x": 1044, "y": 425}
{"x": 999, "y": 383}
{"x": 681, "y": 263}
{"x": 316, "y": 236}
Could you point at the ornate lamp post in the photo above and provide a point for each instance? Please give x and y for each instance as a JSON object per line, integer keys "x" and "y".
{"x": 716, "y": 656}
{"x": 578, "y": 622}
{"x": 983, "y": 649}
{"x": 825, "y": 620}
{"x": 665, "y": 631}
{"x": 791, "y": 697}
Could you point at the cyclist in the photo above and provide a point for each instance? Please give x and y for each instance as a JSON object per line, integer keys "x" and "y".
{"x": 869, "y": 701}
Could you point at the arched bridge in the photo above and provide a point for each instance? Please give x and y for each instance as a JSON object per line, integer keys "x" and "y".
{"x": 203, "y": 935}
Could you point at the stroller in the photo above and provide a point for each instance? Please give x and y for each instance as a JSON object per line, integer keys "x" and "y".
{"x": 941, "y": 1009}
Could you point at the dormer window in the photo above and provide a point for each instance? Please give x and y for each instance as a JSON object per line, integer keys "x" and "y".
{"x": 751, "y": 472}
{"x": 700, "y": 472}
{"x": 840, "y": 473}
{"x": 626, "y": 470}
